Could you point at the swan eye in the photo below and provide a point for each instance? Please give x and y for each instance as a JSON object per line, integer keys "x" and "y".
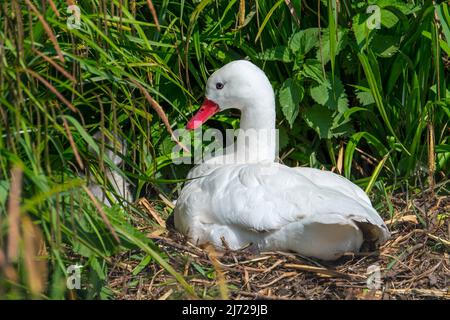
{"x": 219, "y": 85}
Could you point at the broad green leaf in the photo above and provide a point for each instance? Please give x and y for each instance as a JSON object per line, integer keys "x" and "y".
{"x": 402, "y": 6}
{"x": 280, "y": 53}
{"x": 331, "y": 96}
{"x": 302, "y": 42}
{"x": 290, "y": 95}
{"x": 313, "y": 69}
{"x": 320, "y": 119}
{"x": 326, "y": 123}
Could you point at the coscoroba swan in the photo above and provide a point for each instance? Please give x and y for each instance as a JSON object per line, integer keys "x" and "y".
{"x": 259, "y": 201}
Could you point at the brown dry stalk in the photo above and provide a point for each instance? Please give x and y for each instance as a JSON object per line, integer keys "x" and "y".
{"x": 159, "y": 110}
{"x": 223, "y": 289}
{"x": 317, "y": 270}
{"x": 53, "y": 6}
{"x": 14, "y": 213}
{"x": 154, "y": 15}
{"x": 340, "y": 159}
{"x": 152, "y": 211}
{"x": 292, "y": 11}
{"x": 155, "y": 105}
{"x": 421, "y": 292}
{"x": 55, "y": 65}
{"x": 52, "y": 89}
{"x": 72, "y": 144}
{"x": 241, "y": 13}
{"x": 19, "y": 24}
{"x": 47, "y": 29}
{"x": 2, "y": 259}
{"x": 166, "y": 201}
{"x": 284, "y": 275}
{"x": 166, "y": 295}
{"x": 102, "y": 213}
{"x": 36, "y": 267}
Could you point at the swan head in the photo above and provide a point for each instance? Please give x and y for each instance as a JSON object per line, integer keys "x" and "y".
{"x": 239, "y": 85}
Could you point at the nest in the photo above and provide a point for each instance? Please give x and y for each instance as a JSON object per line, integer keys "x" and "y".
{"x": 413, "y": 264}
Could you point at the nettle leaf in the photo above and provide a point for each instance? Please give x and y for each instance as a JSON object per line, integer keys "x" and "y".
{"x": 289, "y": 96}
{"x": 302, "y": 42}
{"x": 405, "y": 8}
{"x": 331, "y": 96}
{"x": 326, "y": 123}
{"x": 320, "y": 119}
{"x": 365, "y": 97}
{"x": 364, "y": 94}
{"x": 313, "y": 69}
{"x": 280, "y": 53}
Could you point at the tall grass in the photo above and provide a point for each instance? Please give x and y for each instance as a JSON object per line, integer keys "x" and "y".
{"x": 137, "y": 69}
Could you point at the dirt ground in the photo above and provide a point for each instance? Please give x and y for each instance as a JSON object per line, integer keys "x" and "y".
{"x": 413, "y": 264}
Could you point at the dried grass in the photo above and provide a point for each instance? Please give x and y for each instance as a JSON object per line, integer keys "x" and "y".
{"x": 414, "y": 264}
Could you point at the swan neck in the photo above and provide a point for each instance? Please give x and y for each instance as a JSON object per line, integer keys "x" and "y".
{"x": 257, "y": 137}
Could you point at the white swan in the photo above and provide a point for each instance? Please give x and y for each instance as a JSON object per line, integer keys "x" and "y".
{"x": 256, "y": 200}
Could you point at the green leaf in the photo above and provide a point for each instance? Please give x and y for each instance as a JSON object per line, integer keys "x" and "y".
{"x": 313, "y": 69}
{"x": 280, "y": 53}
{"x": 443, "y": 148}
{"x": 331, "y": 96}
{"x": 320, "y": 119}
{"x": 142, "y": 264}
{"x": 351, "y": 147}
{"x": 364, "y": 94}
{"x": 302, "y": 42}
{"x": 290, "y": 95}
{"x": 444, "y": 17}
{"x": 405, "y": 8}
{"x": 4, "y": 191}
{"x": 283, "y": 138}
{"x": 385, "y": 46}
{"x": 376, "y": 173}
{"x": 388, "y": 19}
{"x": 360, "y": 30}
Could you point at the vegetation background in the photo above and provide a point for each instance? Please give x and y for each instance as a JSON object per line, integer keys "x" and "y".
{"x": 370, "y": 103}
